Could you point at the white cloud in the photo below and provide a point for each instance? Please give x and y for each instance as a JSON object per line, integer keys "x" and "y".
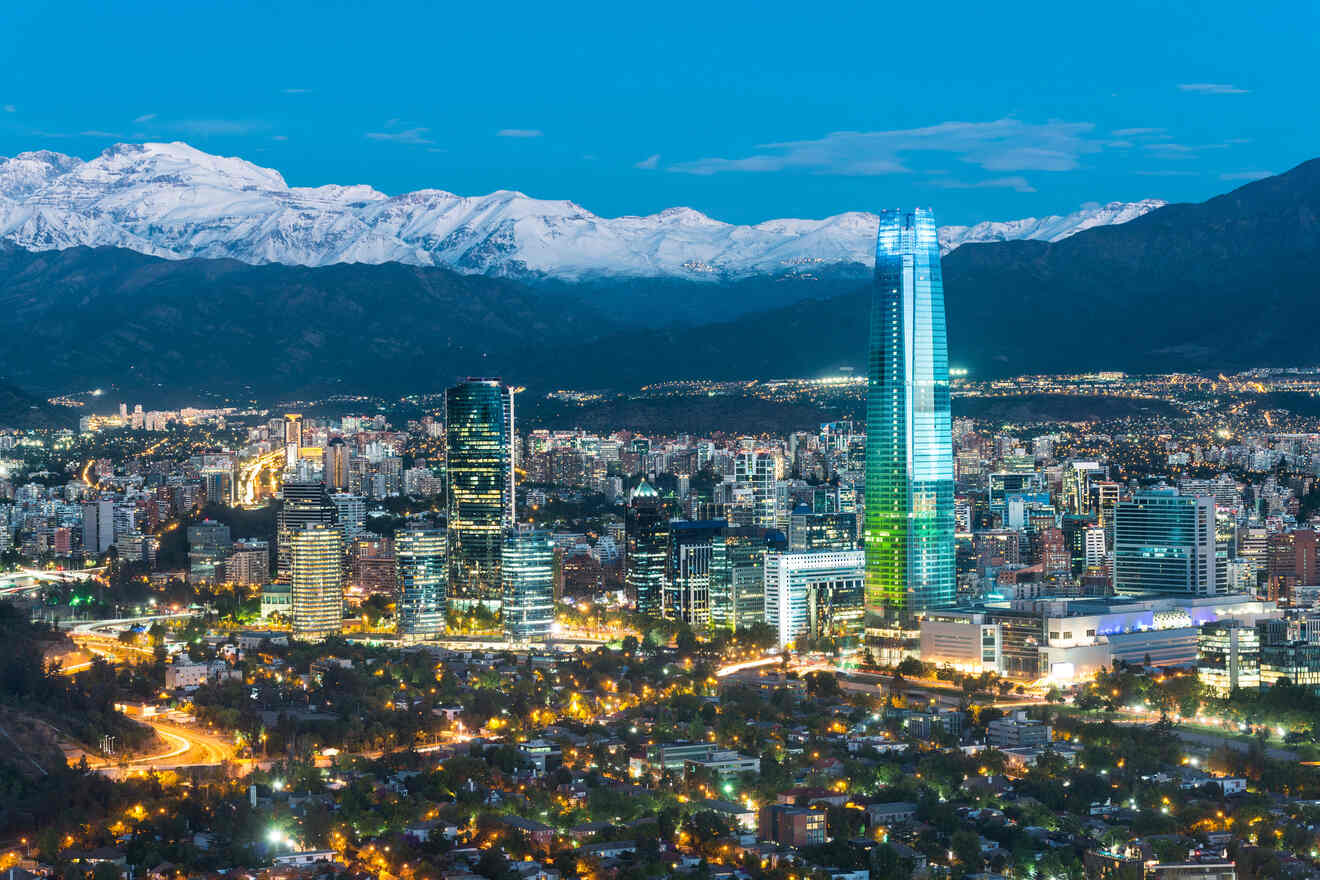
{"x": 650, "y": 163}
{"x": 99, "y": 134}
{"x": 1002, "y": 145}
{"x": 1246, "y": 175}
{"x": 295, "y": 91}
{"x": 280, "y": 137}
{"x": 1212, "y": 89}
{"x": 404, "y": 136}
{"x": 10, "y": 108}
{"x": 1168, "y": 172}
{"x": 145, "y": 117}
{"x": 519, "y": 133}
{"x": 1136, "y": 132}
{"x": 1018, "y": 184}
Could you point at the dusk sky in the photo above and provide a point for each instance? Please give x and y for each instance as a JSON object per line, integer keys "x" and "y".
{"x": 744, "y": 111}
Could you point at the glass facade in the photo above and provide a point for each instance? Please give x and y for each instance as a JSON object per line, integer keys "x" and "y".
{"x": 1165, "y": 542}
{"x": 477, "y": 448}
{"x": 317, "y": 585}
{"x": 908, "y": 530}
{"x": 814, "y": 595}
{"x": 529, "y": 590}
{"x": 421, "y": 574}
{"x": 647, "y": 542}
{"x": 697, "y": 587}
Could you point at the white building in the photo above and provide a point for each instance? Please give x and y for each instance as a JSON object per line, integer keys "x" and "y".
{"x": 816, "y": 593}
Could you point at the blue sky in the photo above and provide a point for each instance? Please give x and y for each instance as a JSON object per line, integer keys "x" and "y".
{"x": 746, "y": 111}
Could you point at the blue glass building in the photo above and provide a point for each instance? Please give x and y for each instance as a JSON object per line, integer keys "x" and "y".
{"x": 909, "y": 527}
{"x": 529, "y": 585}
{"x": 421, "y": 574}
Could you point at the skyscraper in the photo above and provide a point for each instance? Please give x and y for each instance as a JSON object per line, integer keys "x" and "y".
{"x": 305, "y": 504}
{"x": 1165, "y": 542}
{"x": 909, "y": 536}
{"x": 478, "y": 444}
{"x": 421, "y": 573}
{"x": 334, "y": 465}
{"x": 318, "y": 590}
{"x": 814, "y": 595}
{"x": 696, "y": 589}
{"x": 528, "y": 572}
{"x": 646, "y": 532}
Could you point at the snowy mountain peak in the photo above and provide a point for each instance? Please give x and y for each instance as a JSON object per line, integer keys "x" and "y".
{"x": 175, "y": 201}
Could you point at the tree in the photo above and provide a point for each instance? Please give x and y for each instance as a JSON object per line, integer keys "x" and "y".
{"x": 966, "y": 846}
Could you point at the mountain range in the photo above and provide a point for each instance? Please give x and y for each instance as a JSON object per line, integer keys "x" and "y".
{"x": 1219, "y": 285}
{"x": 177, "y": 202}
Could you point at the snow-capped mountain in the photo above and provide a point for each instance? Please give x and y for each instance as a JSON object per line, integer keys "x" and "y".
{"x": 175, "y": 201}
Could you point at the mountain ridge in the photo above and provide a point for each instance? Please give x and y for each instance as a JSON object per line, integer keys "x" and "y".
{"x": 177, "y": 202}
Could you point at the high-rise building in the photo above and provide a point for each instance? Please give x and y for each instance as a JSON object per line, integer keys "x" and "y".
{"x": 646, "y": 537}
{"x": 350, "y": 514}
{"x": 420, "y": 573}
{"x": 334, "y": 465}
{"x": 808, "y": 530}
{"x": 316, "y": 569}
{"x": 747, "y": 547}
{"x": 305, "y": 503}
{"x": 1228, "y": 657}
{"x": 478, "y": 444}
{"x": 209, "y": 547}
{"x": 759, "y": 470}
{"x": 98, "y": 526}
{"x": 696, "y": 589}
{"x": 528, "y": 572}
{"x": 249, "y": 563}
{"x": 908, "y": 533}
{"x": 1165, "y": 543}
{"x": 815, "y": 595}
{"x": 293, "y": 430}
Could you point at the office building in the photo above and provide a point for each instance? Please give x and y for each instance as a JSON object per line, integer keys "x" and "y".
{"x": 646, "y": 545}
{"x": 1228, "y": 657}
{"x": 350, "y": 514}
{"x": 209, "y": 547}
{"x": 98, "y": 526}
{"x": 478, "y": 445}
{"x": 421, "y": 571}
{"x": 334, "y": 465}
{"x": 814, "y": 595}
{"x": 747, "y": 547}
{"x": 908, "y": 532}
{"x": 808, "y": 530}
{"x": 528, "y": 571}
{"x": 758, "y": 470}
{"x": 1165, "y": 543}
{"x": 316, "y": 571}
{"x": 305, "y": 504}
{"x": 696, "y": 586}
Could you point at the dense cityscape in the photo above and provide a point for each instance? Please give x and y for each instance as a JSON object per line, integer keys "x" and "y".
{"x": 1052, "y": 627}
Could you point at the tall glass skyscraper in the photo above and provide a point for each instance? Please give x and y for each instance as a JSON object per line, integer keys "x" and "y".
{"x": 646, "y": 533}
{"x": 420, "y": 575}
{"x": 318, "y": 588}
{"x": 529, "y": 588}
{"x": 478, "y": 446}
{"x": 909, "y": 431}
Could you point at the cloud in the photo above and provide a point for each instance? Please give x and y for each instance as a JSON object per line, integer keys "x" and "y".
{"x": 279, "y": 137}
{"x": 1136, "y": 132}
{"x": 1002, "y": 145}
{"x": 519, "y": 133}
{"x": 1018, "y": 184}
{"x": 100, "y": 134}
{"x": 403, "y": 136}
{"x": 1170, "y": 150}
{"x": 10, "y": 108}
{"x": 1246, "y": 175}
{"x": 650, "y": 163}
{"x": 295, "y": 91}
{"x": 1212, "y": 89}
{"x": 145, "y": 117}
{"x": 1168, "y": 172}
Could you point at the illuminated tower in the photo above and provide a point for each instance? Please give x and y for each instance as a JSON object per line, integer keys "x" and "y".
{"x": 529, "y": 591}
{"x": 318, "y": 589}
{"x": 909, "y": 431}
{"x": 479, "y": 448}
{"x": 646, "y": 533}
{"x": 421, "y": 573}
